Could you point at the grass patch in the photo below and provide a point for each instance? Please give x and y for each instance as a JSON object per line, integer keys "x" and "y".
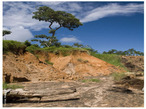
{"x": 48, "y": 62}
{"x": 91, "y": 80}
{"x": 110, "y": 58}
{"x": 13, "y": 46}
{"x": 118, "y": 76}
{"x": 8, "y": 86}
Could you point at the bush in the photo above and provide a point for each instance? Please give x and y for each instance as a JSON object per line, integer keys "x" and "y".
{"x": 13, "y": 46}
{"x": 32, "y": 49}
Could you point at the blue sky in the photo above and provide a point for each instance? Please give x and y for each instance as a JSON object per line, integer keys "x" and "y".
{"x": 106, "y": 25}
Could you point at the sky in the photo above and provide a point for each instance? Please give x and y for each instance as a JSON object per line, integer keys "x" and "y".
{"x": 106, "y": 25}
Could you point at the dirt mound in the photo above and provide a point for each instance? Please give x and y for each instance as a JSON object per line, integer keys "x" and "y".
{"x": 134, "y": 63}
{"x": 38, "y": 67}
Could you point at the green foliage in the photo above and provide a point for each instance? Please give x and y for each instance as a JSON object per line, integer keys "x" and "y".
{"x": 80, "y": 60}
{"x": 48, "y": 62}
{"x": 47, "y": 41}
{"x": 118, "y": 76}
{"x": 36, "y": 45}
{"x": 8, "y": 86}
{"x": 27, "y": 43}
{"x": 129, "y": 52}
{"x": 60, "y": 49}
{"x": 6, "y": 32}
{"x": 53, "y": 49}
{"x": 91, "y": 80}
{"x": 13, "y": 46}
{"x": 67, "y": 46}
{"x": 77, "y": 45}
{"x": 32, "y": 49}
{"x": 64, "y": 19}
{"x": 110, "y": 58}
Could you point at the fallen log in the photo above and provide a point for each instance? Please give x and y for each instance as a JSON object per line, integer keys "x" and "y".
{"x": 42, "y": 95}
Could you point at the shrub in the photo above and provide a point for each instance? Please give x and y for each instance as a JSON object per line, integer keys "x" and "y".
{"x": 32, "y": 49}
{"x": 13, "y": 46}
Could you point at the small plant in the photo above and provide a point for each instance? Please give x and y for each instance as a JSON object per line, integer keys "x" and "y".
{"x": 118, "y": 76}
{"x": 8, "y": 86}
{"x": 86, "y": 61}
{"x": 91, "y": 80}
{"x": 80, "y": 60}
{"x": 48, "y": 62}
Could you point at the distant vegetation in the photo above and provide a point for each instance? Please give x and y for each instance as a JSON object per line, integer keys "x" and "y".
{"x": 129, "y": 52}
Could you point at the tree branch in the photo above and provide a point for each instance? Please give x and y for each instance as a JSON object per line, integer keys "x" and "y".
{"x": 58, "y": 27}
{"x": 50, "y": 25}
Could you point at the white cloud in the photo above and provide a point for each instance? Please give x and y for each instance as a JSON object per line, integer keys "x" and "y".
{"x": 69, "y": 40}
{"x": 111, "y": 10}
{"x": 19, "y": 34}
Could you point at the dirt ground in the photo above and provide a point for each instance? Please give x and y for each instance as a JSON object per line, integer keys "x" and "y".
{"x": 105, "y": 93}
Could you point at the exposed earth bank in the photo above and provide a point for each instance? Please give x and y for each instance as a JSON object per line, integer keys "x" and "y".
{"x": 49, "y": 66}
{"x": 52, "y": 80}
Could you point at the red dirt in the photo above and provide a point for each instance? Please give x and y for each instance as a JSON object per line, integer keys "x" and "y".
{"x": 29, "y": 67}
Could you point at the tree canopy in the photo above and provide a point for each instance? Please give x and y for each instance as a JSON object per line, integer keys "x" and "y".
{"x": 62, "y": 18}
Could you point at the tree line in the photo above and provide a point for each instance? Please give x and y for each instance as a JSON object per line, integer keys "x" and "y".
{"x": 129, "y": 52}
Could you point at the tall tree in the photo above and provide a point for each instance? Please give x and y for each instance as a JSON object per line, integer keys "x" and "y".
{"x": 62, "y": 18}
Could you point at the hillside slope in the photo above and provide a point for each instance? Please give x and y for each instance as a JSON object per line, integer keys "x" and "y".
{"x": 30, "y": 67}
